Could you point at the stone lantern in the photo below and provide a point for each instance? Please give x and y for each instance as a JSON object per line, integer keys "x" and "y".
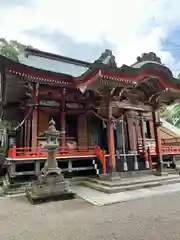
{"x": 51, "y": 184}
{"x": 52, "y": 144}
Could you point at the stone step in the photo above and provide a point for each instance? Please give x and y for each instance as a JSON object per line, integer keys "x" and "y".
{"x": 14, "y": 191}
{"x": 78, "y": 180}
{"x": 20, "y": 187}
{"x": 145, "y": 172}
{"x": 131, "y": 186}
{"x": 15, "y": 188}
{"x": 1, "y": 192}
{"x": 133, "y": 180}
{"x": 8, "y": 190}
{"x": 136, "y": 173}
{"x": 171, "y": 171}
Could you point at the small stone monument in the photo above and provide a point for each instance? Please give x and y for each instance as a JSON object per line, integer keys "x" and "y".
{"x": 51, "y": 184}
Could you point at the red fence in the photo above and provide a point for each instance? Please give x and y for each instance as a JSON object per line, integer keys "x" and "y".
{"x": 62, "y": 152}
{"x": 166, "y": 149}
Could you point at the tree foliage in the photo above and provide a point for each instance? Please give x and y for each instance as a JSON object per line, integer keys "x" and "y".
{"x": 171, "y": 114}
{"x": 5, "y": 124}
{"x": 11, "y": 49}
{"x": 176, "y": 115}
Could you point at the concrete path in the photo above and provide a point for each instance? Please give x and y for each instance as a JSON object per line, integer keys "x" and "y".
{"x": 100, "y": 199}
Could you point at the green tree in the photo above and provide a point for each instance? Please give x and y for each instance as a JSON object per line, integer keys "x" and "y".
{"x": 11, "y": 49}
{"x": 176, "y": 112}
{"x": 176, "y": 115}
{"x": 171, "y": 114}
{"x": 166, "y": 114}
{"x": 5, "y": 124}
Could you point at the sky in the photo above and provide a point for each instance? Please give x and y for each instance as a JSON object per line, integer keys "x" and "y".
{"x": 83, "y": 29}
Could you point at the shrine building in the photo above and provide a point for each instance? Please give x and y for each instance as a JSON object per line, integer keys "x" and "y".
{"x": 107, "y": 116}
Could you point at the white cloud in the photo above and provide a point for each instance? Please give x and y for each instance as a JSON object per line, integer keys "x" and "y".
{"x": 134, "y": 26}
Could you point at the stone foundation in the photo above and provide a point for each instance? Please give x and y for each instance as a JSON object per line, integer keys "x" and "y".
{"x": 49, "y": 189}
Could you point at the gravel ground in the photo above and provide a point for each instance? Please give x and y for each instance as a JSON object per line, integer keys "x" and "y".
{"x": 151, "y": 218}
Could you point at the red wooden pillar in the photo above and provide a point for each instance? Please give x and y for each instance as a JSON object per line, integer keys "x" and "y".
{"x": 63, "y": 123}
{"x": 143, "y": 133}
{"x": 63, "y": 130}
{"x": 22, "y": 137}
{"x": 25, "y": 134}
{"x": 138, "y": 128}
{"x": 26, "y": 144}
{"x": 132, "y": 131}
{"x": 132, "y": 135}
{"x": 151, "y": 126}
{"x": 25, "y": 131}
{"x": 157, "y": 124}
{"x": 35, "y": 118}
{"x": 144, "y": 145}
{"x": 28, "y": 122}
{"x": 110, "y": 134}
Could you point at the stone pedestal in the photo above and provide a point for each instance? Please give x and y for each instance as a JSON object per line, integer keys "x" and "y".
{"x": 51, "y": 184}
{"x": 53, "y": 187}
{"x": 160, "y": 169}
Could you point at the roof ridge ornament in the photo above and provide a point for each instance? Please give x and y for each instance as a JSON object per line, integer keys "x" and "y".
{"x": 151, "y": 56}
{"x": 107, "y": 58}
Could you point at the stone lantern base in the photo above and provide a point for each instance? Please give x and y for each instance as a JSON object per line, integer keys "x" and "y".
{"x": 51, "y": 188}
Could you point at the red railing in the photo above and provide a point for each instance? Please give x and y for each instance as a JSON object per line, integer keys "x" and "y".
{"x": 102, "y": 157}
{"x": 40, "y": 152}
{"x": 166, "y": 150}
{"x": 151, "y": 147}
{"x": 62, "y": 152}
{"x": 171, "y": 150}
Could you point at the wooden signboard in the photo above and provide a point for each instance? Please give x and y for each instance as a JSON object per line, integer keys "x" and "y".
{"x": 48, "y": 103}
{"x": 74, "y": 106}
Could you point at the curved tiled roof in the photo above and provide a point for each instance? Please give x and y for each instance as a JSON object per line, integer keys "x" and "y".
{"x": 33, "y": 73}
{"x": 148, "y": 64}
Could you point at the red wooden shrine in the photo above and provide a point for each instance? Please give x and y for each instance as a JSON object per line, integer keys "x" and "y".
{"x": 102, "y": 111}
